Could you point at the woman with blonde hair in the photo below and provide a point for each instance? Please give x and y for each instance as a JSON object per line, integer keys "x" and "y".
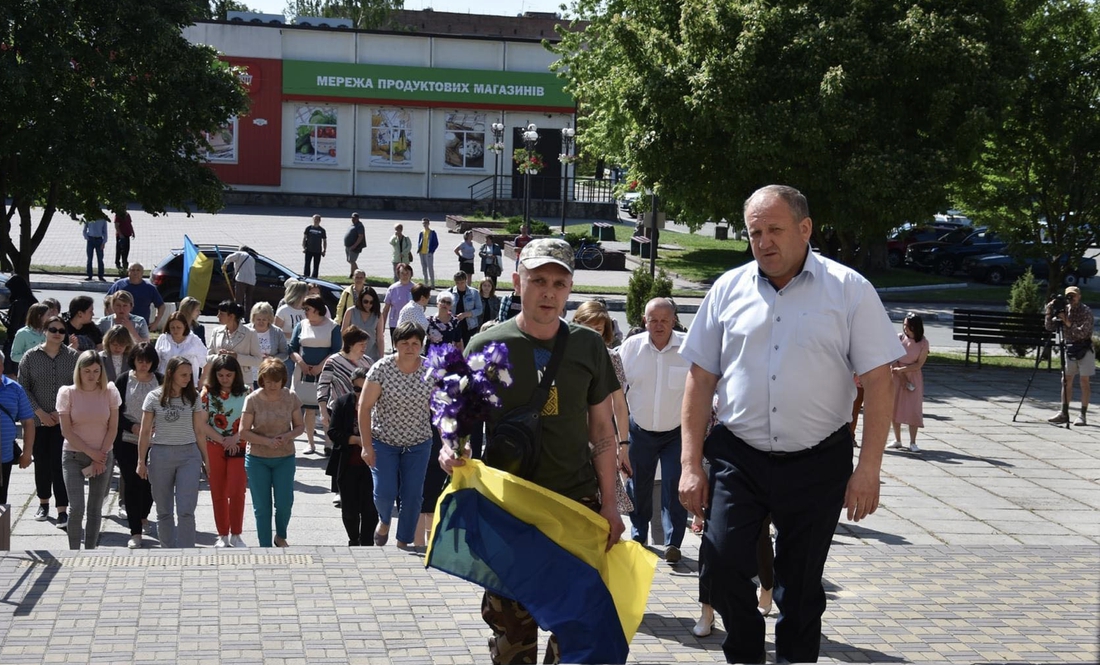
{"x": 88, "y": 411}
{"x": 316, "y": 337}
{"x": 271, "y": 421}
{"x": 350, "y": 295}
{"x": 273, "y": 343}
{"x": 191, "y": 309}
{"x": 116, "y": 351}
{"x": 290, "y": 312}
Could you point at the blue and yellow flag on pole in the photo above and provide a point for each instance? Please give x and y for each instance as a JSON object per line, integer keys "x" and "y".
{"x": 198, "y": 268}
{"x": 527, "y": 543}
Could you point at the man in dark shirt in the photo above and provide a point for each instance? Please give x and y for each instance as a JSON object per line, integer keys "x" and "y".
{"x": 83, "y": 333}
{"x": 314, "y": 245}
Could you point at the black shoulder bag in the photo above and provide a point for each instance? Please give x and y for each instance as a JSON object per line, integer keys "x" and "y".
{"x": 513, "y": 445}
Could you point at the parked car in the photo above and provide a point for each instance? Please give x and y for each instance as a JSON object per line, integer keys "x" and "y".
{"x": 900, "y": 241}
{"x": 626, "y": 203}
{"x": 5, "y": 294}
{"x": 270, "y": 279}
{"x": 1004, "y": 269}
{"x": 946, "y": 255}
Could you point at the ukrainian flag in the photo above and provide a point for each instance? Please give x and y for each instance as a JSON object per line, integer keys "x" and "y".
{"x": 546, "y": 551}
{"x": 198, "y": 268}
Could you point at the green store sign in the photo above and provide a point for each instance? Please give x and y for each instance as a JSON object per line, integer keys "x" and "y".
{"x": 303, "y": 78}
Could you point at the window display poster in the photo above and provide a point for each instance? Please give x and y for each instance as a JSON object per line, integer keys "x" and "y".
{"x": 391, "y": 137}
{"x": 464, "y": 141}
{"x": 315, "y": 135}
{"x": 223, "y": 143}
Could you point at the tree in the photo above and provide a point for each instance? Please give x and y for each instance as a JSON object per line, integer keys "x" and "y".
{"x": 870, "y": 108}
{"x": 363, "y": 14}
{"x": 1039, "y": 173}
{"x": 104, "y": 103}
{"x": 218, "y": 10}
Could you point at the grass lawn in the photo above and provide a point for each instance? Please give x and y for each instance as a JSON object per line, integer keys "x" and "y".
{"x": 953, "y": 359}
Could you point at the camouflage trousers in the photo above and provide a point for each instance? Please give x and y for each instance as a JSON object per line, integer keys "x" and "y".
{"x": 515, "y": 638}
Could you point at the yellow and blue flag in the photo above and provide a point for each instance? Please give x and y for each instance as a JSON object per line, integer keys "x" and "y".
{"x": 198, "y": 268}
{"x": 547, "y": 552}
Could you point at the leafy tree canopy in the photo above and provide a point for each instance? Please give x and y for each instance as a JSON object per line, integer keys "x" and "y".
{"x": 1041, "y": 166}
{"x": 104, "y": 103}
{"x": 363, "y": 14}
{"x": 218, "y": 10}
{"x": 870, "y": 108}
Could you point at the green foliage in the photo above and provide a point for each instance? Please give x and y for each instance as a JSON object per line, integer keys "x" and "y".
{"x": 576, "y": 239}
{"x": 1041, "y": 165}
{"x": 870, "y": 108}
{"x": 641, "y": 289}
{"x": 363, "y": 14}
{"x": 515, "y": 225}
{"x": 104, "y": 103}
{"x": 1024, "y": 299}
{"x": 218, "y": 10}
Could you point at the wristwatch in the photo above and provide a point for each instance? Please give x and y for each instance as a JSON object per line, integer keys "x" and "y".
{"x": 624, "y": 443}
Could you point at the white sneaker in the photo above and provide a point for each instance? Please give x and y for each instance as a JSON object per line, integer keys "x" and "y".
{"x": 135, "y": 542}
{"x": 894, "y": 445}
{"x": 235, "y": 541}
{"x": 913, "y": 448}
{"x": 222, "y": 541}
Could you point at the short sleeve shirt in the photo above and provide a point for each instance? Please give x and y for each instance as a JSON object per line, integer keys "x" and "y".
{"x": 314, "y": 237}
{"x": 89, "y": 412}
{"x": 785, "y": 357}
{"x": 173, "y": 424}
{"x": 401, "y": 416}
{"x": 146, "y": 296}
{"x": 585, "y": 378}
{"x": 272, "y": 418}
{"x": 14, "y": 399}
{"x": 397, "y": 296}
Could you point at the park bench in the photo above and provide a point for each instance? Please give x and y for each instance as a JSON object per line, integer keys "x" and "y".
{"x": 603, "y": 231}
{"x": 639, "y": 245}
{"x": 979, "y": 326}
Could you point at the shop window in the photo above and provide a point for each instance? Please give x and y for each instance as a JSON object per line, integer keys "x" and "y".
{"x": 222, "y": 143}
{"x": 464, "y": 141}
{"x": 391, "y": 138}
{"x": 315, "y": 135}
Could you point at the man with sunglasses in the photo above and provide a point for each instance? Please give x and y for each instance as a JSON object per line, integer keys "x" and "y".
{"x": 1077, "y": 325}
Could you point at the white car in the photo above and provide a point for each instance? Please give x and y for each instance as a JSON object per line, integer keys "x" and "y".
{"x": 626, "y": 203}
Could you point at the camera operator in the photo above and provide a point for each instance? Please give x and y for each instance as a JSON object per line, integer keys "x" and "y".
{"x": 1077, "y": 323}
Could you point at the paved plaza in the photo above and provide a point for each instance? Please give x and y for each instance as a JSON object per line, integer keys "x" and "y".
{"x": 986, "y": 548}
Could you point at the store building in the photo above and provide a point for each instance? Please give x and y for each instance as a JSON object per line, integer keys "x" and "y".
{"x": 374, "y": 114}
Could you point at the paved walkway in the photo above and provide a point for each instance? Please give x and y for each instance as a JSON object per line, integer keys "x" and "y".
{"x": 985, "y": 549}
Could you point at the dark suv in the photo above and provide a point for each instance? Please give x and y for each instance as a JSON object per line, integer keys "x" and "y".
{"x": 270, "y": 279}
{"x": 946, "y": 255}
{"x": 900, "y": 241}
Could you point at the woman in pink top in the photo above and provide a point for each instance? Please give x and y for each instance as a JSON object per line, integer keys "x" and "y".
{"x": 909, "y": 382}
{"x": 88, "y": 410}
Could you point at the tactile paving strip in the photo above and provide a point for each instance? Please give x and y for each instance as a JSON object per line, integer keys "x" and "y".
{"x": 180, "y": 561}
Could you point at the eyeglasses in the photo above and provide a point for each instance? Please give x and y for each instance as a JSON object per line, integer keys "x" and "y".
{"x": 56, "y": 331}
{"x": 357, "y": 389}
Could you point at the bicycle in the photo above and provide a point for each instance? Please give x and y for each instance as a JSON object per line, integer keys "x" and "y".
{"x": 589, "y": 256}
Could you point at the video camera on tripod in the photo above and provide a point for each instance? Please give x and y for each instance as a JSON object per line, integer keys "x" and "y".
{"x": 1057, "y": 304}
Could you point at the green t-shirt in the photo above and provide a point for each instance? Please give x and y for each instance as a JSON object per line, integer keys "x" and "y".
{"x": 584, "y": 378}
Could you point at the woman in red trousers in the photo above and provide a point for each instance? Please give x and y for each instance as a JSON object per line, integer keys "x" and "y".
{"x": 223, "y": 400}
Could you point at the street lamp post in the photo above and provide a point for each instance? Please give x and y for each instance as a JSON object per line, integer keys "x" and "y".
{"x": 653, "y": 233}
{"x": 530, "y": 139}
{"x": 567, "y": 136}
{"x": 498, "y": 142}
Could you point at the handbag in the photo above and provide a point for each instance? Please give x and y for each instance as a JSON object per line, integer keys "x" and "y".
{"x": 513, "y": 444}
{"x": 622, "y": 499}
{"x": 1079, "y": 349}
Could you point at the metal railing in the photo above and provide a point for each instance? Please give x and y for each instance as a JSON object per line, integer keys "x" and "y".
{"x": 544, "y": 187}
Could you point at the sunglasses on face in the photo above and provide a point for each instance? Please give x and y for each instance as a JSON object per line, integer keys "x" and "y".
{"x": 56, "y": 331}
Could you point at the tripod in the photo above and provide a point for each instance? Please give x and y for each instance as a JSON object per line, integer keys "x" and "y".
{"x": 1059, "y": 342}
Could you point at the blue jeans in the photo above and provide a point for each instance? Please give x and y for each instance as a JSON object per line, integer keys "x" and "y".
{"x": 646, "y": 449}
{"x": 398, "y": 468}
{"x": 95, "y": 245}
{"x": 270, "y": 477}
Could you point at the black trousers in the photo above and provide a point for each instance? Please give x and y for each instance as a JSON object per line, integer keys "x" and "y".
{"x": 5, "y": 478}
{"x": 804, "y": 494}
{"x": 765, "y": 564}
{"x": 357, "y": 503}
{"x": 315, "y": 258}
{"x": 138, "y": 494}
{"x": 47, "y": 465}
{"x": 122, "y": 252}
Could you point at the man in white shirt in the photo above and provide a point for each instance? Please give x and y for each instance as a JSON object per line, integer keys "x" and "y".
{"x": 655, "y": 377}
{"x": 243, "y": 262}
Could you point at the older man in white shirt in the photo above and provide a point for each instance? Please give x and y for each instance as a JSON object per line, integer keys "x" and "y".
{"x": 655, "y": 377}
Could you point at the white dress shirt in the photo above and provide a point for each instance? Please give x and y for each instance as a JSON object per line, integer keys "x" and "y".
{"x": 785, "y": 357}
{"x": 655, "y": 381}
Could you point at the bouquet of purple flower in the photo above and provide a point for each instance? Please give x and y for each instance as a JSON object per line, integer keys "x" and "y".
{"x": 465, "y": 389}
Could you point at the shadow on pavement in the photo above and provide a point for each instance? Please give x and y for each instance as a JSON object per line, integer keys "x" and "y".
{"x": 847, "y": 653}
{"x": 863, "y": 533}
{"x": 678, "y": 629}
{"x": 952, "y": 457}
{"x": 42, "y": 561}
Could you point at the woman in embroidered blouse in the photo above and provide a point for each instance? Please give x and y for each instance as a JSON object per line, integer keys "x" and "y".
{"x": 367, "y": 315}
{"x": 178, "y": 340}
{"x": 234, "y": 340}
{"x": 272, "y": 340}
{"x": 117, "y": 344}
{"x": 272, "y": 419}
{"x": 394, "y": 409}
{"x": 133, "y": 386}
{"x": 89, "y": 419}
{"x": 315, "y": 338}
{"x": 222, "y": 397}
